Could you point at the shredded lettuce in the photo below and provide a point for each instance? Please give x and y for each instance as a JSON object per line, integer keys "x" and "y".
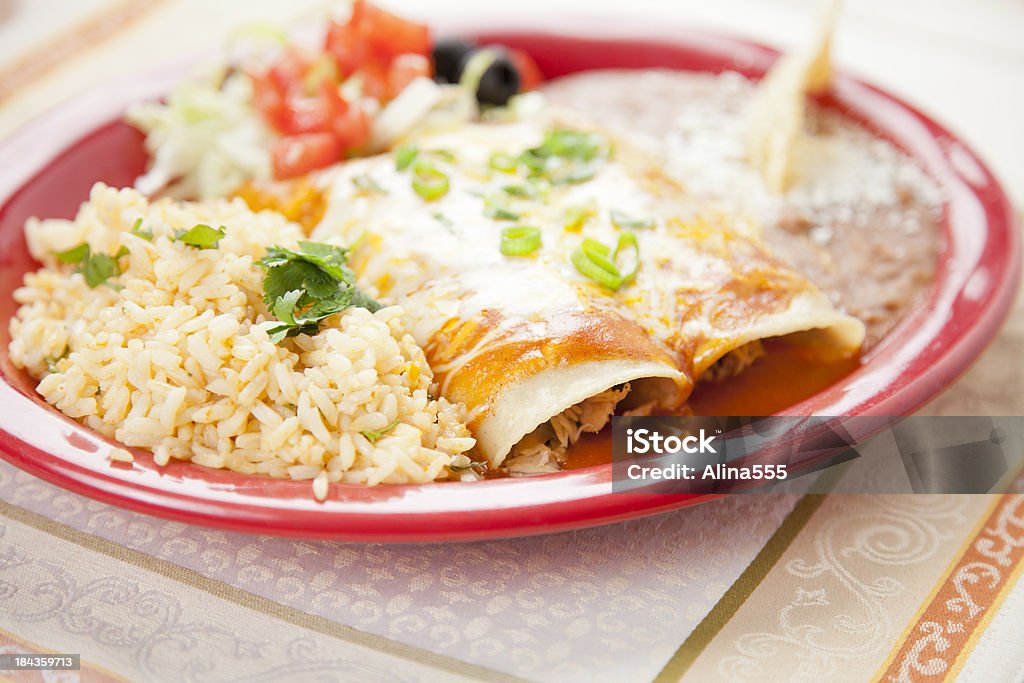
{"x": 205, "y": 141}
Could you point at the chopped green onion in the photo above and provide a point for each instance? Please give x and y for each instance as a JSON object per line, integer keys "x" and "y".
{"x": 596, "y": 267}
{"x": 577, "y": 216}
{"x": 517, "y": 191}
{"x": 565, "y": 157}
{"x": 373, "y": 436}
{"x": 597, "y": 261}
{"x": 139, "y": 231}
{"x": 570, "y": 144}
{"x": 404, "y": 156}
{"x": 521, "y": 240}
{"x": 530, "y": 190}
{"x": 500, "y": 213}
{"x": 442, "y": 154}
{"x": 201, "y": 236}
{"x": 428, "y": 182}
{"x": 448, "y": 223}
{"x": 599, "y": 255}
{"x": 536, "y": 163}
{"x": 366, "y": 184}
{"x": 503, "y": 163}
{"x": 571, "y": 174}
{"x": 624, "y": 220}
{"x": 628, "y": 239}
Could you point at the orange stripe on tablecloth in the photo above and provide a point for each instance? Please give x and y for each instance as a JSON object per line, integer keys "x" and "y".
{"x": 985, "y": 621}
{"x": 914, "y": 621}
{"x": 70, "y": 42}
{"x": 945, "y": 630}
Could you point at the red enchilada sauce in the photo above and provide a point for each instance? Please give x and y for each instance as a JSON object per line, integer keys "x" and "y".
{"x": 787, "y": 374}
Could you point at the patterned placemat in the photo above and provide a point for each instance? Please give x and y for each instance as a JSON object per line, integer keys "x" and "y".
{"x": 844, "y": 587}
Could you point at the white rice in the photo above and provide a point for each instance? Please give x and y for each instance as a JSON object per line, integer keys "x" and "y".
{"x": 177, "y": 363}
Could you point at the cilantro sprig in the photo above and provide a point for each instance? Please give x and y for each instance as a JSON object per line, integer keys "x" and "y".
{"x": 304, "y": 286}
{"x": 97, "y": 269}
{"x": 201, "y": 236}
{"x": 140, "y": 230}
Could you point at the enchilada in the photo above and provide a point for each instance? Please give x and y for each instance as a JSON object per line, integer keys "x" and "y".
{"x": 621, "y": 294}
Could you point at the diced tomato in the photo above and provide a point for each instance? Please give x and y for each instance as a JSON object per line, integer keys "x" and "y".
{"x": 297, "y": 155}
{"x": 280, "y": 95}
{"x": 349, "y": 50}
{"x": 289, "y": 69}
{"x": 355, "y": 17}
{"x": 385, "y": 50}
{"x": 375, "y": 80}
{"x": 353, "y": 128}
{"x": 530, "y": 76}
{"x": 269, "y": 98}
{"x": 389, "y": 34}
{"x": 303, "y": 113}
{"x": 374, "y": 34}
{"x": 404, "y": 70}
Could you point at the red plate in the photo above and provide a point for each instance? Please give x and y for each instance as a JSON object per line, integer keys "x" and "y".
{"x": 49, "y": 167}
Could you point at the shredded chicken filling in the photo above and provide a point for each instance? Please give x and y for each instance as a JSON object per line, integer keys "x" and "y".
{"x": 543, "y": 449}
{"x": 734, "y": 362}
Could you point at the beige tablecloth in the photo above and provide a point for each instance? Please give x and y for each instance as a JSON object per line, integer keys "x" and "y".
{"x": 783, "y": 587}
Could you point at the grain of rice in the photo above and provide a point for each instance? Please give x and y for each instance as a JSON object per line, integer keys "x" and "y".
{"x": 320, "y": 486}
{"x": 120, "y": 455}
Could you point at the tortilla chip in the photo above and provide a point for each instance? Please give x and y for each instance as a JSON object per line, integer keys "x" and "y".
{"x": 776, "y": 114}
